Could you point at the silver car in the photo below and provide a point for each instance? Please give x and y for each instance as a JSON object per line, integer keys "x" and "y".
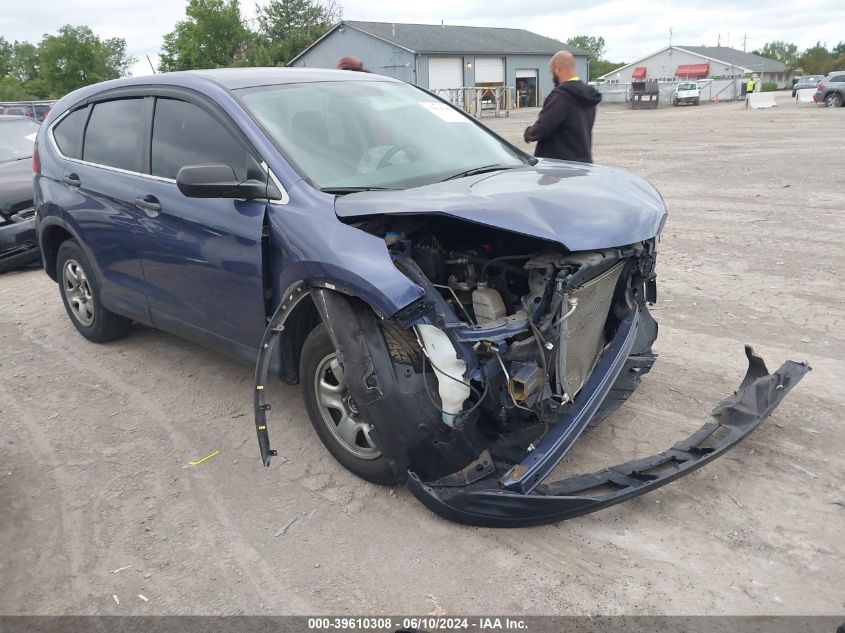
{"x": 808, "y": 81}
{"x": 831, "y": 90}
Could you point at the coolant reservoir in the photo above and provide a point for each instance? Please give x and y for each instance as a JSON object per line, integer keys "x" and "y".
{"x": 487, "y": 304}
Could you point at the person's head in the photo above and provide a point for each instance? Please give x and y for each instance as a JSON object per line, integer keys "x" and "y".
{"x": 350, "y": 63}
{"x": 562, "y": 67}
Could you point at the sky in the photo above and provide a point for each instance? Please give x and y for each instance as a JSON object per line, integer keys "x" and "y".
{"x": 630, "y": 29}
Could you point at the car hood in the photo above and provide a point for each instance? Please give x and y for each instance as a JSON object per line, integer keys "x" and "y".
{"x": 577, "y": 205}
{"x": 15, "y": 185}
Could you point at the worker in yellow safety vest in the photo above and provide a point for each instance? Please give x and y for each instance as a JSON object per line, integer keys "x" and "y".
{"x": 750, "y": 87}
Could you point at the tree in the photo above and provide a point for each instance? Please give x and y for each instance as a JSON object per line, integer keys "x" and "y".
{"x": 288, "y": 27}
{"x": 13, "y": 89}
{"x": 816, "y": 60}
{"x": 601, "y": 67}
{"x": 593, "y": 45}
{"x": 76, "y": 57}
{"x": 783, "y": 52}
{"x": 25, "y": 61}
{"x": 6, "y": 52}
{"x": 212, "y": 36}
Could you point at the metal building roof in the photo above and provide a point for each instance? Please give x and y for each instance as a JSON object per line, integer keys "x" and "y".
{"x": 736, "y": 57}
{"x": 434, "y": 38}
{"x": 748, "y": 62}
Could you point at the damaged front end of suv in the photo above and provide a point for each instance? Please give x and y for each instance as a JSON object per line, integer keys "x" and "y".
{"x": 516, "y": 343}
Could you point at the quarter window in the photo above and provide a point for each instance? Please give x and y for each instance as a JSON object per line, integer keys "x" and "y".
{"x": 185, "y": 134}
{"x": 68, "y": 133}
{"x": 113, "y": 133}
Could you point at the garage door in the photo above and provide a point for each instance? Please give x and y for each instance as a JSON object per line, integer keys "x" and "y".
{"x": 489, "y": 70}
{"x": 445, "y": 72}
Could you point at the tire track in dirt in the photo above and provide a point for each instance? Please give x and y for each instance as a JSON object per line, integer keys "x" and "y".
{"x": 201, "y": 487}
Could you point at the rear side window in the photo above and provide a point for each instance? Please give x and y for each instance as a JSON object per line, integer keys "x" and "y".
{"x": 185, "y": 134}
{"x": 112, "y": 136}
{"x": 838, "y": 79}
{"x": 68, "y": 133}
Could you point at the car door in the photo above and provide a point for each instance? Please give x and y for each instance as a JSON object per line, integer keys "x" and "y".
{"x": 99, "y": 177}
{"x": 202, "y": 258}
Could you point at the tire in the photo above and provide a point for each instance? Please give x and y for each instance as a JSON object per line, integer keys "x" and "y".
{"x": 82, "y": 297}
{"x": 340, "y": 426}
{"x": 833, "y": 100}
{"x": 696, "y": 102}
{"x": 675, "y": 102}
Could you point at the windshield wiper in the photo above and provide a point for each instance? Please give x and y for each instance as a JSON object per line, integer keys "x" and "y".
{"x": 479, "y": 170}
{"x": 340, "y": 191}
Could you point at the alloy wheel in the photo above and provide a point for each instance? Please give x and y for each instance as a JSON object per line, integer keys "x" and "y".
{"x": 339, "y": 412}
{"x": 78, "y": 292}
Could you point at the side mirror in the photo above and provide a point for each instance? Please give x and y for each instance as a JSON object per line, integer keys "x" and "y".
{"x": 217, "y": 181}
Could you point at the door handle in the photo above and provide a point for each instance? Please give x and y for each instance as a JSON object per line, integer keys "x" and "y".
{"x": 72, "y": 180}
{"x": 150, "y": 204}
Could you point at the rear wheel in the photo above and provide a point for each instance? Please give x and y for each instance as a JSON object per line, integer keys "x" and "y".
{"x": 341, "y": 427}
{"x": 833, "y": 100}
{"x": 81, "y": 296}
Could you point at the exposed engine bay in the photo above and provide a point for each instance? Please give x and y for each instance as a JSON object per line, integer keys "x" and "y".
{"x": 535, "y": 316}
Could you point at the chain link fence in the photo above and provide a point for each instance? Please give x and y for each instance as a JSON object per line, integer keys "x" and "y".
{"x": 711, "y": 90}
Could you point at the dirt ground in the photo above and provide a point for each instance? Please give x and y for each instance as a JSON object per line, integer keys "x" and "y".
{"x": 97, "y": 504}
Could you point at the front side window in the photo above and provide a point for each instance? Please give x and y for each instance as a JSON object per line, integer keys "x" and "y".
{"x": 185, "y": 134}
{"x": 113, "y": 134}
{"x": 373, "y": 134}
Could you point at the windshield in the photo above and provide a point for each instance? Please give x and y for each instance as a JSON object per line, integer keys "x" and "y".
{"x": 687, "y": 86}
{"x": 372, "y": 134}
{"x": 17, "y": 138}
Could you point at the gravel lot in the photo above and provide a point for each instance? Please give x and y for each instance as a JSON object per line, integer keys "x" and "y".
{"x": 97, "y": 501}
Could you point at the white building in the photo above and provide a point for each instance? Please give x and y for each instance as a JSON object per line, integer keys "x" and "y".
{"x": 675, "y": 63}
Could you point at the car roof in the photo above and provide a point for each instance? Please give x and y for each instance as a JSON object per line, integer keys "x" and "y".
{"x": 226, "y": 78}
{"x": 235, "y": 78}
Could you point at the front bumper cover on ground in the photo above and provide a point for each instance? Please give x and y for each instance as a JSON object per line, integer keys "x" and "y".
{"x": 487, "y": 502}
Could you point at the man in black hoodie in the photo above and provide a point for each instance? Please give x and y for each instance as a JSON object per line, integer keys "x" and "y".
{"x": 564, "y": 127}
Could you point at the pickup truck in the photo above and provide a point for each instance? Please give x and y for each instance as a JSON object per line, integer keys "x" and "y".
{"x": 686, "y": 92}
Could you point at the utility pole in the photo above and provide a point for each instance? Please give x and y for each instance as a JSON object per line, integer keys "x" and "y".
{"x": 744, "y": 37}
{"x": 670, "y": 36}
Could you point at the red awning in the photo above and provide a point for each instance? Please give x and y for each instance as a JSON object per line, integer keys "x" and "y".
{"x": 690, "y": 71}
{"x": 639, "y": 73}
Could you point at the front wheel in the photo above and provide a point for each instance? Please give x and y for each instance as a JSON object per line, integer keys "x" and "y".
{"x": 81, "y": 296}
{"x": 833, "y": 100}
{"x": 341, "y": 427}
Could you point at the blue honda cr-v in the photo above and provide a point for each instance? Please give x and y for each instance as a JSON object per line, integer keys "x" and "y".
{"x": 456, "y": 311}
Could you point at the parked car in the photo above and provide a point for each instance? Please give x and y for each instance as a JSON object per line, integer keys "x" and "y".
{"x": 36, "y": 112}
{"x": 831, "y": 90}
{"x": 456, "y": 311}
{"x": 686, "y": 92}
{"x": 18, "y": 242}
{"x": 806, "y": 82}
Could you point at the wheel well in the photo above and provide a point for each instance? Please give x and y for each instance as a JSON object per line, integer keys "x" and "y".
{"x": 298, "y": 326}
{"x": 51, "y": 239}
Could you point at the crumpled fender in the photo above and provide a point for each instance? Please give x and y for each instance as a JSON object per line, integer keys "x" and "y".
{"x": 407, "y": 428}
